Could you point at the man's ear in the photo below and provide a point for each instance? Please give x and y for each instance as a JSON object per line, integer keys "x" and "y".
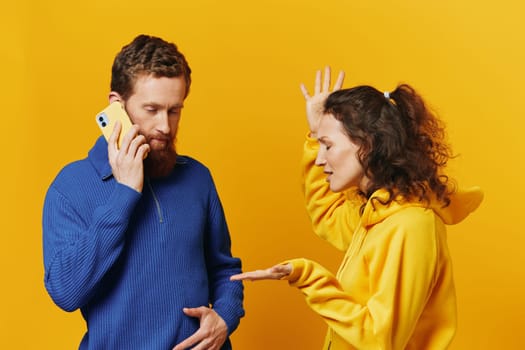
{"x": 115, "y": 96}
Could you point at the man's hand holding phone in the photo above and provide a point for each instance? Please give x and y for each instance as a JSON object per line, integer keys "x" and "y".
{"x": 127, "y": 161}
{"x": 126, "y": 148}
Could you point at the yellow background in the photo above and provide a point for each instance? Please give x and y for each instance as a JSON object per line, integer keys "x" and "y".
{"x": 244, "y": 118}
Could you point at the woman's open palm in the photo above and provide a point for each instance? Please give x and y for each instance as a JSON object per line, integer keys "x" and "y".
{"x": 315, "y": 102}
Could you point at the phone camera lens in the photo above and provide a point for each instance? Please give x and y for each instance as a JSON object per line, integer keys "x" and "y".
{"x": 103, "y": 124}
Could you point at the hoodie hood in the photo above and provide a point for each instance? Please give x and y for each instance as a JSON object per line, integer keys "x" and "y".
{"x": 462, "y": 203}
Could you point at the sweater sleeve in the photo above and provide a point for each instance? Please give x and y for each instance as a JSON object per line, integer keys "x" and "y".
{"x": 79, "y": 248}
{"x": 226, "y": 297}
{"x": 401, "y": 277}
{"x": 334, "y": 216}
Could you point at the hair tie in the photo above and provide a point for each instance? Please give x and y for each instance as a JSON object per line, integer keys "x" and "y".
{"x": 387, "y": 95}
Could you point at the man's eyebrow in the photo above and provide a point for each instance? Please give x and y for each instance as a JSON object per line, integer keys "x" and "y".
{"x": 157, "y": 105}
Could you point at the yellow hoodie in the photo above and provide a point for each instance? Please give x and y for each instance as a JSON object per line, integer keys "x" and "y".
{"x": 394, "y": 288}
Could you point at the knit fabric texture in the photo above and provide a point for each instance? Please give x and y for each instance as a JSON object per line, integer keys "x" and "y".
{"x": 132, "y": 261}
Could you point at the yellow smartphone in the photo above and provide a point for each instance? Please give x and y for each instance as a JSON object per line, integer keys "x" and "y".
{"x": 108, "y": 116}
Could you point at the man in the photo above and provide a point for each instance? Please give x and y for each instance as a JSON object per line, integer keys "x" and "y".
{"x": 136, "y": 236}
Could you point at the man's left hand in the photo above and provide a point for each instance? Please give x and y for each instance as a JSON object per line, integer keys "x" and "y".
{"x": 211, "y": 334}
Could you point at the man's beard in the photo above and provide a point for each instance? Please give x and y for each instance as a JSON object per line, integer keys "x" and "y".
{"x": 160, "y": 163}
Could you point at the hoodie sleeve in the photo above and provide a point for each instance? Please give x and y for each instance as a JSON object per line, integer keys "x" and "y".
{"x": 339, "y": 309}
{"x": 401, "y": 274}
{"x": 334, "y": 216}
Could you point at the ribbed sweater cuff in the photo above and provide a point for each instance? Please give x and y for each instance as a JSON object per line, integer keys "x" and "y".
{"x": 123, "y": 200}
{"x": 230, "y": 317}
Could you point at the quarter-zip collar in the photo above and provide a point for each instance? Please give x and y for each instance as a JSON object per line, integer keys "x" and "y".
{"x": 98, "y": 156}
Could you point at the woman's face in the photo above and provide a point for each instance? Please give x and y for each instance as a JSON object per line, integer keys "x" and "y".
{"x": 339, "y": 156}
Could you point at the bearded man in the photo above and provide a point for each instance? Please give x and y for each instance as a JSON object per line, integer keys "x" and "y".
{"x": 135, "y": 236}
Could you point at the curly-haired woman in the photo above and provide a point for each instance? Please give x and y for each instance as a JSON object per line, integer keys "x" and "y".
{"x": 375, "y": 188}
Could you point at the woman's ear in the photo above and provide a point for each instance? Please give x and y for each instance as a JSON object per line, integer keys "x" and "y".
{"x": 115, "y": 96}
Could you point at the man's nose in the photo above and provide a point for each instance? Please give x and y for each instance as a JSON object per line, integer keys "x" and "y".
{"x": 163, "y": 124}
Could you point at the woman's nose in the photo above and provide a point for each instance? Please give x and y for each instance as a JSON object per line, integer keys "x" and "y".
{"x": 320, "y": 159}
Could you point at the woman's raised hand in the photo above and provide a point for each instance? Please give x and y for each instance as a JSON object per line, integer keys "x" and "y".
{"x": 315, "y": 102}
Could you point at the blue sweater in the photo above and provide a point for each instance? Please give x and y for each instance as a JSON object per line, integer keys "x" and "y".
{"x": 131, "y": 261}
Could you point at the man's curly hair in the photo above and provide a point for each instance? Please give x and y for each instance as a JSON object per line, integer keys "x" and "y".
{"x": 147, "y": 55}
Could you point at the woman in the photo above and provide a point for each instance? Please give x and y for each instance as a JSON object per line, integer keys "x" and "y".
{"x": 375, "y": 189}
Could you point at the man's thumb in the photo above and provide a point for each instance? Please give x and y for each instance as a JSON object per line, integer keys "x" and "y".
{"x": 193, "y": 311}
